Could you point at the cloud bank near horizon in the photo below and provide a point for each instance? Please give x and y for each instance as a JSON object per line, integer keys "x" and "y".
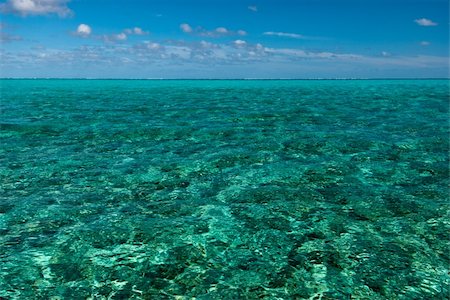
{"x": 211, "y": 49}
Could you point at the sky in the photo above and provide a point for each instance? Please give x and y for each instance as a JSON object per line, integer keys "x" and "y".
{"x": 224, "y": 38}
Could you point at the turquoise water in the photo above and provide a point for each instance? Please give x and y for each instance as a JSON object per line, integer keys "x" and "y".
{"x": 224, "y": 189}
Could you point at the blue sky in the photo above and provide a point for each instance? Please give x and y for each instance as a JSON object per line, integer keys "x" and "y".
{"x": 224, "y": 39}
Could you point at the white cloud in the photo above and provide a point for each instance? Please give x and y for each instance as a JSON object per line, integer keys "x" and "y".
{"x": 152, "y": 46}
{"x": 239, "y": 43}
{"x": 425, "y": 22}
{"x": 83, "y": 30}
{"x": 285, "y": 34}
{"x": 218, "y": 32}
{"x": 385, "y": 54}
{"x": 186, "y": 28}
{"x": 178, "y": 52}
{"x": 185, "y": 57}
{"x": 298, "y": 53}
{"x": 424, "y": 43}
{"x": 221, "y": 30}
{"x": 136, "y": 31}
{"x": 121, "y": 36}
{"x": 37, "y": 7}
{"x": 253, "y": 8}
{"x": 146, "y": 49}
{"x": 111, "y": 38}
{"x": 205, "y": 44}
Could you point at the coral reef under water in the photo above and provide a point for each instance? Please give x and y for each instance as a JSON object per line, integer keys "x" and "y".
{"x": 224, "y": 189}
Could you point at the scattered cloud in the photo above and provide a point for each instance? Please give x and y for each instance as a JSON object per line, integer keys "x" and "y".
{"x": 239, "y": 43}
{"x": 83, "y": 30}
{"x": 207, "y": 45}
{"x": 218, "y": 32}
{"x": 425, "y": 43}
{"x": 152, "y": 46}
{"x": 298, "y": 53}
{"x": 285, "y": 34}
{"x": 119, "y": 37}
{"x": 36, "y": 7}
{"x": 186, "y": 28}
{"x": 425, "y": 22}
{"x": 221, "y": 30}
{"x": 123, "y": 36}
{"x": 253, "y": 8}
{"x": 385, "y": 54}
{"x": 149, "y": 57}
{"x": 136, "y": 31}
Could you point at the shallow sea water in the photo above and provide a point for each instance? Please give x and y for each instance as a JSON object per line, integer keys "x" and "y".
{"x": 224, "y": 189}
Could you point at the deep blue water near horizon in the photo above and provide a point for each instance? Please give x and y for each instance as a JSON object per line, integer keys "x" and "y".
{"x": 141, "y": 189}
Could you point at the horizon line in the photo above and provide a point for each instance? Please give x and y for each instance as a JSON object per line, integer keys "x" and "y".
{"x": 319, "y": 78}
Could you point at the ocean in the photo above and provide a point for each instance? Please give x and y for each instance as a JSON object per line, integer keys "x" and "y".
{"x": 224, "y": 189}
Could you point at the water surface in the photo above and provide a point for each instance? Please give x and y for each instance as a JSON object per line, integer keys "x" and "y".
{"x": 224, "y": 189}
